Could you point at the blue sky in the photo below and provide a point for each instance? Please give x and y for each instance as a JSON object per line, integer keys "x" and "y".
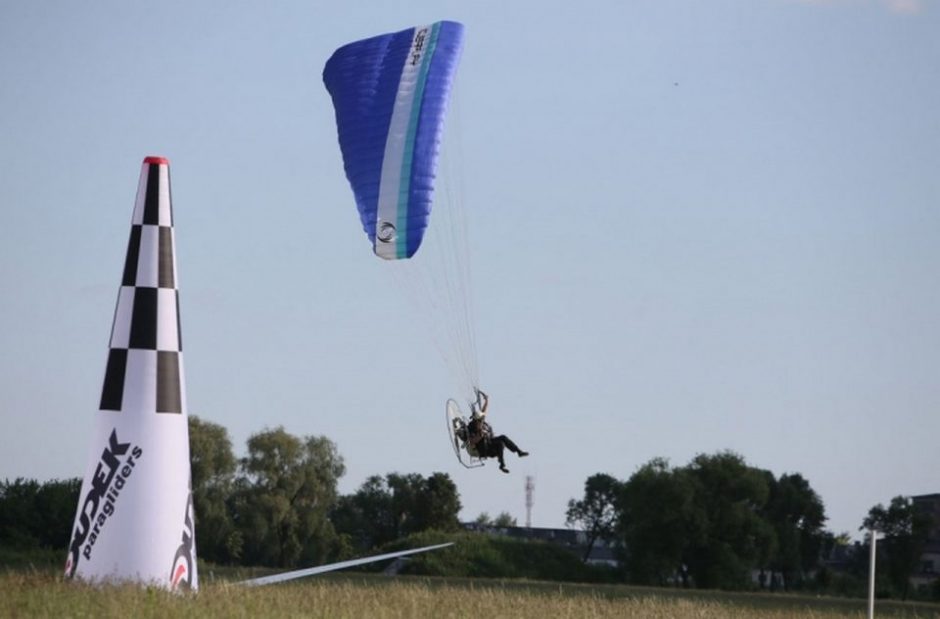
{"x": 695, "y": 226}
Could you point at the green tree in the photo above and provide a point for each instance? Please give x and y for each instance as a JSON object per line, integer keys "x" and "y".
{"x": 284, "y": 492}
{"x": 17, "y": 512}
{"x": 730, "y": 496}
{"x": 797, "y": 515}
{"x": 658, "y": 522}
{"x": 715, "y": 520}
{"x": 383, "y": 510}
{"x": 407, "y": 498}
{"x": 504, "y": 519}
{"x": 441, "y": 503}
{"x": 596, "y": 513}
{"x": 56, "y": 503}
{"x": 366, "y": 517}
{"x": 34, "y": 515}
{"x": 905, "y": 529}
{"x": 213, "y": 476}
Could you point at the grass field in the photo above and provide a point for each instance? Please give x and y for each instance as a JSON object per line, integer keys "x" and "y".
{"x": 32, "y": 593}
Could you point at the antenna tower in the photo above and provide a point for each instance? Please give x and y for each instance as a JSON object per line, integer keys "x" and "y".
{"x": 529, "y": 490}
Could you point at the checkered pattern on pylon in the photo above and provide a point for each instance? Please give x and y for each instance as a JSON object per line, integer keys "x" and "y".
{"x": 145, "y": 366}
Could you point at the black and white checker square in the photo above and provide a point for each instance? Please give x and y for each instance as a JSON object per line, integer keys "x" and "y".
{"x": 144, "y": 372}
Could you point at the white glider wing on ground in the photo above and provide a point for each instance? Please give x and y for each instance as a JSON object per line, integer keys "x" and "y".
{"x": 320, "y": 569}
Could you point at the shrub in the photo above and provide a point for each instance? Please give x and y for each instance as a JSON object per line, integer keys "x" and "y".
{"x": 492, "y": 556}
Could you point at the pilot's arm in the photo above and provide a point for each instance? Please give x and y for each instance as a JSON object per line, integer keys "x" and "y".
{"x": 483, "y": 400}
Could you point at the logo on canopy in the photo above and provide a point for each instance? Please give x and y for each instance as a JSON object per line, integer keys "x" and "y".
{"x": 387, "y": 232}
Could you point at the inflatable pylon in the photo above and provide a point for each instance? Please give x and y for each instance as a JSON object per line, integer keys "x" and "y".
{"x": 135, "y": 512}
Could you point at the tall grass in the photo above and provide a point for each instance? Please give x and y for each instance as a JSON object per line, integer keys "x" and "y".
{"x": 40, "y": 594}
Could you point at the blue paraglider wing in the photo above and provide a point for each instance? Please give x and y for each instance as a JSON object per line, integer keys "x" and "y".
{"x": 390, "y": 93}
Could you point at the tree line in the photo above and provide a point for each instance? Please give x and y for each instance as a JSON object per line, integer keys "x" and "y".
{"x": 277, "y": 506}
{"x": 716, "y": 522}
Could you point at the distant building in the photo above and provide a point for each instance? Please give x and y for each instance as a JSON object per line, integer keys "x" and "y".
{"x": 841, "y": 557}
{"x": 576, "y": 541}
{"x": 929, "y": 569}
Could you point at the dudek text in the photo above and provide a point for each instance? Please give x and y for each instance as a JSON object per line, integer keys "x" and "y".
{"x": 109, "y": 479}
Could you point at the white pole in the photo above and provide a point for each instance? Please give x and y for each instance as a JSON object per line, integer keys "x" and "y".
{"x": 871, "y": 574}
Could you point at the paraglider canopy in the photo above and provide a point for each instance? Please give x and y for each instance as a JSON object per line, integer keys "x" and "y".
{"x": 390, "y": 93}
